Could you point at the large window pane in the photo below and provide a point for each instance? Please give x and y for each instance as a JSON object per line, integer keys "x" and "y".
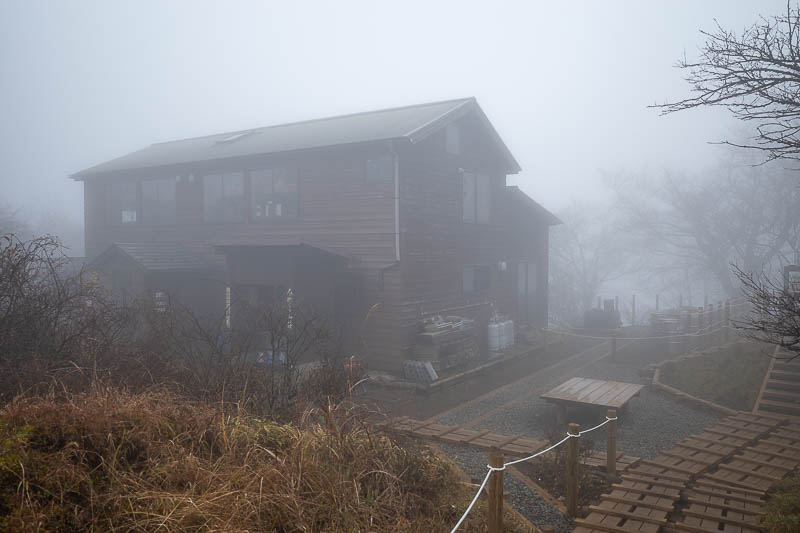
{"x": 468, "y": 211}
{"x": 273, "y": 193}
{"x": 223, "y": 197}
{"x": 483, "y": 195}
{"x": 121, "y": 203}
{"x": 158, "y": 201}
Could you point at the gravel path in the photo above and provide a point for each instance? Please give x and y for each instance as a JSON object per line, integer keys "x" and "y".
{"x": 523, "y": 499}
{"x": 537, "y": 380}
{"x": 654, "y": 420}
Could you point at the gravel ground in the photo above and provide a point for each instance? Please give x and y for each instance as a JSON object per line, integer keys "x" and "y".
{"x": 537, "y": 380}
{"x": 654, "y": 420}
{"x": 527, "y": 502}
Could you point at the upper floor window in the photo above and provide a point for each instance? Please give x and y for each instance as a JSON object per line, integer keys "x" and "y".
{"x": 273, "y": 193}
{"x": 476, "y": 198}
{"x": 121, "y": 203}
{"x": 223, "y": 197}
{"x": 475, "y": 278}
{"x": 452, "y": 139}
{"x": 158, "y": 201}
{"x": 381, "y": 168}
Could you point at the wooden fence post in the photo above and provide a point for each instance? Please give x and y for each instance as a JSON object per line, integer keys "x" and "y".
{"x": 726, "y": 319}
{"x": 700, "y": 323}
{"x": 688, "y": 331}
{"x": 611, "y": 445}
{"x": 573, "y": 444}
{"x": 495, "y": 492}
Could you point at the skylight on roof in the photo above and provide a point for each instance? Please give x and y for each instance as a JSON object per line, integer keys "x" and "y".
{"x": 235, "y": 136}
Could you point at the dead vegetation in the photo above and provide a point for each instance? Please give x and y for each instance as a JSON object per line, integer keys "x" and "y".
{"x": 108, "y": 460}
{"x": 152, "y": 419}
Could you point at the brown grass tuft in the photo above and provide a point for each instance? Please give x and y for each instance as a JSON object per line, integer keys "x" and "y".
{"x": 108, "y": 460}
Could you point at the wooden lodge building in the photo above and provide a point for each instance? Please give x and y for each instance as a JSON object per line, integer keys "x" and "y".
{"x": 394, "y": 215}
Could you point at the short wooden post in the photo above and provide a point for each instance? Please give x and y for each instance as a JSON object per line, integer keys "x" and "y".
{"x": 611, "y": 445}
{"x": 700, "y": 323}
{"x": 633, "y": 311}
{"x": 544, "y": 350}
{"x": 726, "y": 320}
{"x": 495, "y": 492}
{"x": 573, "y": 445}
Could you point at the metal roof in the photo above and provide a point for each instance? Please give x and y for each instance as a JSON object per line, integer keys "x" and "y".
{"x": 412, "y": 123}
{"x": 155, "y": 256}
{"x": 532, "y": 206}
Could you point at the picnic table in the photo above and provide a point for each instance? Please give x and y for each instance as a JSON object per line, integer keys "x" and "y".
{"x": 590, "y": 392}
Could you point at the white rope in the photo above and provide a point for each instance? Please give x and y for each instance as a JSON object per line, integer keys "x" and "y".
{"x": 485, "y": 479}
{"x": 510, "y": 463}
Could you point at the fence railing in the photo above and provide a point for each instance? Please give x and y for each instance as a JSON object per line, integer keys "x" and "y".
{"x": 493, "y": 480}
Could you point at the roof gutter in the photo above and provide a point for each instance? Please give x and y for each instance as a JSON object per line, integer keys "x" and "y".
{"x": 396, "y": 158}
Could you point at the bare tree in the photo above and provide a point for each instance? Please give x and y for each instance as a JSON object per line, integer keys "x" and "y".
{"x": 754, "y": 74}
{"x": 775, "y": 313}
{"x": 585, "y": 253}
{"x": 699, "y": 225}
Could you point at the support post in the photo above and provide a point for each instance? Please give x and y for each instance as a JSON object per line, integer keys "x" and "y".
{"x": 700, "y": 324}
{"x": 495, "y": 492}
{"x": 633, "y": 311}
{"x": 726, "y": 320}
{"x": 573, "y": 445}
{"x": 611, "y": 445}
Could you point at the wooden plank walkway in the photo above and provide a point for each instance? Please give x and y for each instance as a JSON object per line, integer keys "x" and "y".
{"x": 515, "y": 445}
{"x": 780, "y": 391}
{"x": 692, "y": 480}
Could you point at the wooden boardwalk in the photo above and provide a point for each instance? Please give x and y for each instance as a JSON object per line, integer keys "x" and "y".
{"x": 710, "y": 482}
{"x": 514, "y": 445}
{"x": 780, "y": 392}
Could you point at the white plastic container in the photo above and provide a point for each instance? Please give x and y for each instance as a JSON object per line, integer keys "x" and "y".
{"x": 509, "y": 336}
{"x": 495, "y": 336}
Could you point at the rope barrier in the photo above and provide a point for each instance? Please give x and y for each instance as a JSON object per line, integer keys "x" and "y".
{"x": 491, "y": 468}
{"x": 700, "y": 333}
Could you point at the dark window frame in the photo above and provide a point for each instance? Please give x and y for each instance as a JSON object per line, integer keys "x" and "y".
{"x": 222, "y": 214}
{"x": 115, "y": 206}
{"x": 292, "y": 174}
{"x": 164, "y": 211}
{"x": 478, "y": 210}
{"x": 480, "y": 276}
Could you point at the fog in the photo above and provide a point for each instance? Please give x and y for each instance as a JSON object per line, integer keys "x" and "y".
{"x": 566, "y": 85}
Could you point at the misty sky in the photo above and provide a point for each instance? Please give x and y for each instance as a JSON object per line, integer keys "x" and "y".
{"x": 565, "y": 84}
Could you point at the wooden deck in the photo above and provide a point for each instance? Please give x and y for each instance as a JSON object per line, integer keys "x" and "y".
{"x": 590, "y": 392}
{"x": 597, "y": 392}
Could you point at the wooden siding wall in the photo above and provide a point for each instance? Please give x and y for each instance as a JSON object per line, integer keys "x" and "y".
{"x": 340, "y": 211}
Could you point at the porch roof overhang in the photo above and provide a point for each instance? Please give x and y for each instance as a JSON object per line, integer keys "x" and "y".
{"x": 152, "y": 257}
{"x": 291, "y": 246}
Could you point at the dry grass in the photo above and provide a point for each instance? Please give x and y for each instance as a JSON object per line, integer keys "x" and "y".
{"x": 108, "y": 460}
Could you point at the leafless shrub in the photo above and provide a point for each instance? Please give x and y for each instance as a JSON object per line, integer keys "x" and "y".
{"x": 775, "y": 313}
